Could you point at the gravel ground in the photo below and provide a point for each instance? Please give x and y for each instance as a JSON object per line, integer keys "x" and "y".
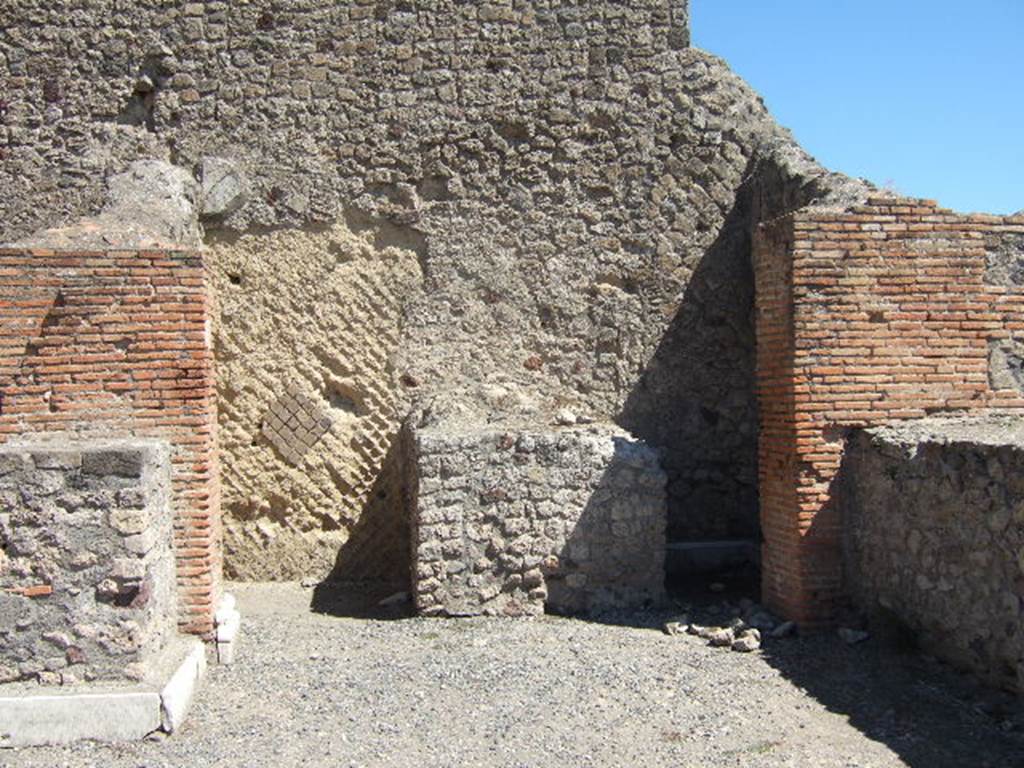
{"x": 312, "y": 689}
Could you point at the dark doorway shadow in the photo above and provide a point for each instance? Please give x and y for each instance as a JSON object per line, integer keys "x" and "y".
{"x": 371, "y": 572}
{"x": 696, "y": 400}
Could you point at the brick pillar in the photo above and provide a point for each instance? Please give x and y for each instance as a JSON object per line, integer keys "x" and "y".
{"x": 865, "y": 317}
{"x": 115, "y": 344}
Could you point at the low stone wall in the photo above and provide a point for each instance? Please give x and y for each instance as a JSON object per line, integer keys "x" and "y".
{"x": 506, "y": 521}
{"x": 933, "y": 517}
{"x": 87, "y": 582}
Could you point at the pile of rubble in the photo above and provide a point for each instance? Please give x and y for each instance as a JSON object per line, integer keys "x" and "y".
{"x": 743, "y": 632}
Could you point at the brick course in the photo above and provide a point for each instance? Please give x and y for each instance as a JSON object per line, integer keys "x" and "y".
{"x": 115, "y": 344}
{"x": 877, "y": 314}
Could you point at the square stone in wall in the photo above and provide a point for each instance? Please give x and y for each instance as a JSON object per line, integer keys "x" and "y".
{"x": 295, "y": 423}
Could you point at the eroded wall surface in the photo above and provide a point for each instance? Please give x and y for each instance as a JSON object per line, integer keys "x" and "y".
{"x": 1004, "y": 273}
{"x": 87, "y": 584}
{"x": 508, "y": 522}
{"x": 577, "y": 183}
{"x": 308, "y": 325}
{"x": 933, "y": 539}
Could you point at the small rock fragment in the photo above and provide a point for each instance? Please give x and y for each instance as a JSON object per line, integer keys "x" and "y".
{"x": 565, "y": 417}
{"x": 706, "y": 632}
{"x": 747, "y": 643}
{"x": 223, "y": 186}
{"x": 721, "y": 638}
{"x": 674, "y": 628}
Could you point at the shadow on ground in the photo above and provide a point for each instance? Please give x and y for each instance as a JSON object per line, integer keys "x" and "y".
{"x": 361, "y": 600}
{"x": 371, "y": 571}
{"x": 925, "y": 711}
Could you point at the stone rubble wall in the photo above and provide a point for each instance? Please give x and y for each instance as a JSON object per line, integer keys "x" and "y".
{"x": 87, "y": 576}
{"x": 933, "y": 535}
{"x": 1004, "y": 273}
{"x": 882, "y": 312}
{"x": 574, "y": 180}
{"x": 116, "y": 344}
{"x": 320, "y": 102}
{"x": 508, "y": 522}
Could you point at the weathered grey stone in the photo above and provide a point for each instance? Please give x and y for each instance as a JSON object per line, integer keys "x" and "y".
{"x": 721, "y": 637}
{"x": 1006, "y": 364}
{"x": 565, "y": 417}
{"x": 125, "y": 463}
{"x": 747, "y": 641}
{"x": 74, "y": 590}
{"x": 673, "y": 628}
{"x": 150, "y": 204}
{"x": 223, "y": 188}
{"x": 33, "y": 720}
{"x": 932, "y": 538}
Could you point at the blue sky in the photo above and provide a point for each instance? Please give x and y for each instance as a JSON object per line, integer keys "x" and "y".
{"x": 926, "y": 98}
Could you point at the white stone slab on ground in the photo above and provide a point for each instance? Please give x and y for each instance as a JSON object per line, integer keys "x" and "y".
{"x": 29, "y": 718}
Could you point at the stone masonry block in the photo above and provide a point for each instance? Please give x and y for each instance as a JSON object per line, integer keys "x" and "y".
{"x": 87, "y": 584}
{"x": 519, "y": 520}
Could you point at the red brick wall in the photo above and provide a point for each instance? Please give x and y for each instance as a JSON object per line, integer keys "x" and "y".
{"x": 864, "y": 317}
{"x": 115, "y": 344}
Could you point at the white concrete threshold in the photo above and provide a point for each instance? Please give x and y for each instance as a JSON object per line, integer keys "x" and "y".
{"x": 33, "y": 718}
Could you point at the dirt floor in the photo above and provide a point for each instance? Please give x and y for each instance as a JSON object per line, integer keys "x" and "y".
{"x": 316, "y": 689}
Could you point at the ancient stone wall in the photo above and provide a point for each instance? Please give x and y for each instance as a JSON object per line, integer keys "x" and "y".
{"x": 87, "y": 584}
{"x": 116, "y": 344}
{"x": 320, "y": 102}
{"x": 1004, "y": 273}
{"x": 576, "y": 183}
{"x": 508, "y": 521}
{"x": 885, "y": 312}
{"x": 933, "y": 535}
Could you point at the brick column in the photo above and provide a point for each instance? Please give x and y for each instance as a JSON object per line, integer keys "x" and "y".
{"x": 864, "y": 317}
{"x": 115, "y": 344}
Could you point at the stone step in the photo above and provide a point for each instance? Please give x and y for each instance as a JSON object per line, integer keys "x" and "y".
{"x": 690, "y": 557}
